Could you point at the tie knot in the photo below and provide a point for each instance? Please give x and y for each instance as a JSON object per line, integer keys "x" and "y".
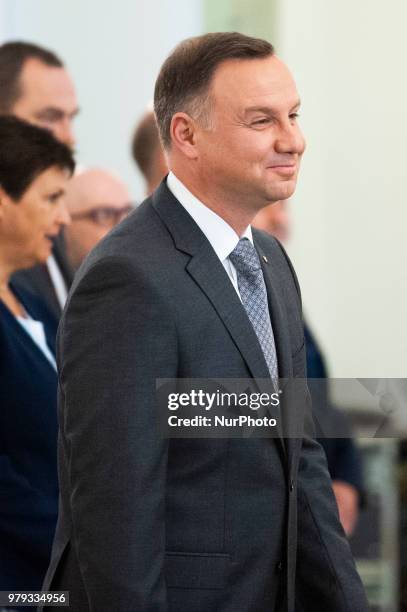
{"x": 244, "y": 257}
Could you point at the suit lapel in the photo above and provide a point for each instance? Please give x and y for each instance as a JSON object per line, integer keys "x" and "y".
{"x": 277, "y": 315}
{"x": 289, "y": 414}
{"x": 209, "y": 274}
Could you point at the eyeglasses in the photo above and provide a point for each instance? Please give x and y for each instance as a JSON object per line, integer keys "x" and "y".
{"x": 104, "y": 216}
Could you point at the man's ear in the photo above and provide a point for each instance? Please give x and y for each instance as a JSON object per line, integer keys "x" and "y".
{"x": 183, "y": 134}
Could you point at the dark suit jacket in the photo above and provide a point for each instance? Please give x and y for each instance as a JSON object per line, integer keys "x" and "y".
{"x": 192, "y": 525}
{"x": 28, "y": 440}
{"x": 37, "y": 280}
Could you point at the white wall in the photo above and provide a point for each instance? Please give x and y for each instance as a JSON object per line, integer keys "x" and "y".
{"x": 113, "y": 51}
{"x": 350, "y": 211}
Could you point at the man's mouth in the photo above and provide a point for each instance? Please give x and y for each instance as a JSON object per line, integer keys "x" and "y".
{"x": 284, "y": 169}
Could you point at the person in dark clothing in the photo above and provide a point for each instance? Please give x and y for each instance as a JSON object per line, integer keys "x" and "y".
{"x": 34, "y": 171}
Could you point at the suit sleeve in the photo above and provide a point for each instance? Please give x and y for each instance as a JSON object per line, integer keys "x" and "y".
{"x": 117, "y": 337}
{"x": 326, "y": 571}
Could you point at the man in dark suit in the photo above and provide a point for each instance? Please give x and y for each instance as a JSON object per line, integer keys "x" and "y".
{"x": 36, "y": 87}
{"x": 182, "y": 289}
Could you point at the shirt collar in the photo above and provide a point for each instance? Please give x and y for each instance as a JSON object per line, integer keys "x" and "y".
{"x": 222, "y": 237}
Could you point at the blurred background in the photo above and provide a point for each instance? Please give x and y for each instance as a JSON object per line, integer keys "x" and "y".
{"x": 349, "y": 214}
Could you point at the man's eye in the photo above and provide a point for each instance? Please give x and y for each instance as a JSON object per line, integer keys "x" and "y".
{"x": 103, "y": 215}
{"x": 262, "y": 121}
{"x": 294, "y": 116}
{"x": 54, "y": 197}
{"x": 49, "y": 117}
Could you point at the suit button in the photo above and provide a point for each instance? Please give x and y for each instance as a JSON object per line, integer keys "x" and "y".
{"x": 291, "y": 485}
{"x": 279, "y": 566}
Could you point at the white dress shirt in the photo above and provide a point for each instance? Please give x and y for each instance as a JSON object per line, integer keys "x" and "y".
{"x": 57, "y": 280}
{"x": 35, "y": 329}
{"x": 221, "y": 236}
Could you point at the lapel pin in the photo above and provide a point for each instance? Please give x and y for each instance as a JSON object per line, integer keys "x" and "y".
{"x": 265, "y": 259}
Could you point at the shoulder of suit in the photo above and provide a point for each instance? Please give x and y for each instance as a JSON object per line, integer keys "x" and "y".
{"x": 135, "y": 234}
{"x": 139, "y": 246}
{"x": 274, "y": 250}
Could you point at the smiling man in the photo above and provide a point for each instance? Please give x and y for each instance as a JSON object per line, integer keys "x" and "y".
{"x": 184, "y": 288}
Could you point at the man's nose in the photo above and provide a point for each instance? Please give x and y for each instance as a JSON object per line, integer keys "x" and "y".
{"x": 63, "y": 217}
{"x": 65, "y": 133}
{"x": 290, "y": 140}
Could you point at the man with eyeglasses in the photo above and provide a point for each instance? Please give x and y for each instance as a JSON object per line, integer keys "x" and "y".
{"x": 96, "y": 200}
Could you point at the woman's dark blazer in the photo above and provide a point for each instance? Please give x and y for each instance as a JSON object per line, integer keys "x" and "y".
{"x": 28, "y": 437}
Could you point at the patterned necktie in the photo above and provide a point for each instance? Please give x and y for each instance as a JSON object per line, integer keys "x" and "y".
{"x": 253, "y": 294}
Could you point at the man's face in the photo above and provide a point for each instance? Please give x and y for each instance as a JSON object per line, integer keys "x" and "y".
{"x": 47, "y": 99}
{"x": 253, "y": 146}
{"x": 96, "y": 201}
{"x": 30, "y": 225}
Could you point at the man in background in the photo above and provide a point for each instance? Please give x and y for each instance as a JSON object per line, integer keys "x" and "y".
{"x": 35, "y": 86}
{"x": 148, "y": 153}
{"x": 344, "y": 460}
{"x": 96, "y": 200}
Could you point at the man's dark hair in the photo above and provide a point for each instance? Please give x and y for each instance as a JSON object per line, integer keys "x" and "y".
{"x": 13, "y": 56}
{"x": 184, "y": 80}
{"x": 25, "y": 152}
{"x": 145, "y": 142}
